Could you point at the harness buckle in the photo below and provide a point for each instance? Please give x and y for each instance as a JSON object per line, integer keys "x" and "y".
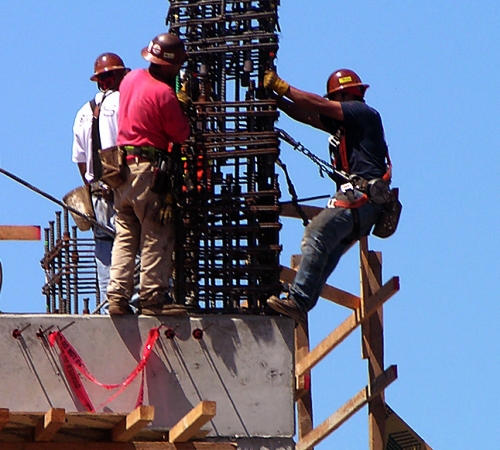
{"x": 346, "y": 187}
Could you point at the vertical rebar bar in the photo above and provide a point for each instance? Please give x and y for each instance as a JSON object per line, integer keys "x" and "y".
{"x": 46, "y": 267}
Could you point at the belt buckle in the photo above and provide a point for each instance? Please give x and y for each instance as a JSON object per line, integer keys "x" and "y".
{"x": 347, "y": 187}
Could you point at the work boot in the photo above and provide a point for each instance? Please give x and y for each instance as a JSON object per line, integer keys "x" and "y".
{"x": 161, "y": 305}
{"x": 119, "y": 308}
{"x": 288, "y": 307}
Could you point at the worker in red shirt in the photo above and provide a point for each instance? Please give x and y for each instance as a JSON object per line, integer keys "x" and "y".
{"x": 151, "y": 118}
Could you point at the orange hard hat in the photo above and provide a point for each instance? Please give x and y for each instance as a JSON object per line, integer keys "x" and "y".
{"x": 165, "y": 49}
{"x": 106, "y": 63}
{"x": 345, "y": 79}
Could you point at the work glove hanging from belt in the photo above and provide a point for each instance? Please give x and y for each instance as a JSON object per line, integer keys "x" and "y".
{"x": 165, "y": 211}
{"x": 184, "y": 100}
{"x": 274, "y": 82}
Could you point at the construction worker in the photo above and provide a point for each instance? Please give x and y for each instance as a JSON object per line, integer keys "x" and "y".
{"x": 95, "y": 127}
{"x": 358, "y": 148}
{"x": 151, "y": 119}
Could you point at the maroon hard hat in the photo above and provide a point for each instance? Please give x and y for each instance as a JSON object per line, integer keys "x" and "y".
{"x": 165, "y": 49}
{"x": 107, "y": 62}
{"x": 345, "y": 79}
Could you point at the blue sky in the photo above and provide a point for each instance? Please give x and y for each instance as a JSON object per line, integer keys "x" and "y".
{"x": 433, "y": 71}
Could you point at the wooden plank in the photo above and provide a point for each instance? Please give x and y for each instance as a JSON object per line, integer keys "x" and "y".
{"x": 4, "y": 417}
{"x": 347, "y": 410}
{"x": 20, "y": 233}
{"x": 347, "y": 327}
{"x": 81, "y": 420}
{"x": 52, "y": 421}
{"x": 117, "y": 446}
{"x": 190, "y": 424}
{"x": 331, "y": 293}
{"x": 133, "y": 423}
{"x": 288, "y": 210}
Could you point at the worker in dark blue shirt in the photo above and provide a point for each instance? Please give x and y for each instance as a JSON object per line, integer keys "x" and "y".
{"x": 358, "y": 150}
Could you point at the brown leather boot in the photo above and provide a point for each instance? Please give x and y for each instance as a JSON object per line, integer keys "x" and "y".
{"x": 287, "y": 307}
{"x": 119, "y": 308}
{"x": 161, "y": 305}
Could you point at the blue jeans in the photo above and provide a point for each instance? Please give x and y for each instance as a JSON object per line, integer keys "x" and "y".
{"x": 105, "y": 215}
{"x": 325, "y": 240}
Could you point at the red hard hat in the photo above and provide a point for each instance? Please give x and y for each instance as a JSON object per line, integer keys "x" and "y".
{"x": 165, "y": 49}
{"x": 107, "y": 62}
{"x": 345, "y": 79}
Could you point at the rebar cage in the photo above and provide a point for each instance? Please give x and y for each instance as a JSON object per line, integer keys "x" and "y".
{"x": 227, "y": 252}
{"x": 70, "y": 269}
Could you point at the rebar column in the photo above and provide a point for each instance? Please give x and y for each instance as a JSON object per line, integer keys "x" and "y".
{"x": 227, "y": 246}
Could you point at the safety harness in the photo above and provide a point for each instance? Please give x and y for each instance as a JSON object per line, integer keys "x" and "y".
{"x": 357, "y": 191}
{"x": 376, "y": 189}
{"x": 354, "y": 190}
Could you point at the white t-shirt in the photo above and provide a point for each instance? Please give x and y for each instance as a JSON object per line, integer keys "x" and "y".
{"x": 82, "y": 129}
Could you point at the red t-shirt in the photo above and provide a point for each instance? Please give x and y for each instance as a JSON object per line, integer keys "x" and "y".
{"x": 149, "y": 114}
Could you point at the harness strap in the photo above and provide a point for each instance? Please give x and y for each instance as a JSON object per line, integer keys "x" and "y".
{"x": 96, "y": 139}
{"x": 388, "y": 174}
{"x": 343, "y": 153}
{"x": 351, "y": 204}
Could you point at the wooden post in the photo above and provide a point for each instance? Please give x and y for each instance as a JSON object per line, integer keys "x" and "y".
{"x": 303, "y": 393}
{"x": 373, "y": 340}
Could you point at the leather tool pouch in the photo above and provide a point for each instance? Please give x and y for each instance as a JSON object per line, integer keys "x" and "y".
{"x": 388, "y": 222}
{"x": 113, "y": 166}
{"x": 162, "y": 170}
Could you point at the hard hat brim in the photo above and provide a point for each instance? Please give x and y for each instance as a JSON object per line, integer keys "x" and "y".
{"x": 154, "y": 59}
{"x": 96, "y": 75}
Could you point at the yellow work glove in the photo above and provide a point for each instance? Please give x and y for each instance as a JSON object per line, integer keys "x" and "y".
{"x": 184, "y": 100}
{"x": 274, "y": 82}
{"x": 165, "y": 211}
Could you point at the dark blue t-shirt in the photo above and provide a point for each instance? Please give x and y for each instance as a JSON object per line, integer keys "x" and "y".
{"x": 365, "y": 141}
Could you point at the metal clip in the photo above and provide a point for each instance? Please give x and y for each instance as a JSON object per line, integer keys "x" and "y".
{"x": 346, "y": 187}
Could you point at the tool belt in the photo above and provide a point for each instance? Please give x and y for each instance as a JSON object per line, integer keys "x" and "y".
{"x": 143, "y": 152}
{"x": 358, "y": 191}
{"x": 161, "y": 182}
{"x": 114, "y": 171}
{"x": 351, "y": 195}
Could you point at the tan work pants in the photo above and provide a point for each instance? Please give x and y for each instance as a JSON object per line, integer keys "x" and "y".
{"x": 137, "y": 230}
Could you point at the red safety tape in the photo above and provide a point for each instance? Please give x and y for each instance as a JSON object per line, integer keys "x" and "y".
{"x": 76, "y": 384}
{"x": 146, "y": 353}
{"x": 72, "y": 361}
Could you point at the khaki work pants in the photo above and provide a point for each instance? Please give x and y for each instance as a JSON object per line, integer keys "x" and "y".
{"x": 138, "y": 231}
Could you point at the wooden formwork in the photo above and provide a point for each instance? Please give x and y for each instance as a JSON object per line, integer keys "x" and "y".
{"x": 367, "y": 313}
{"x": 57, "y": 429}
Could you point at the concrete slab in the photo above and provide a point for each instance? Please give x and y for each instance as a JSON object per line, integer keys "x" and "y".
{"x": 243, "y": 363}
